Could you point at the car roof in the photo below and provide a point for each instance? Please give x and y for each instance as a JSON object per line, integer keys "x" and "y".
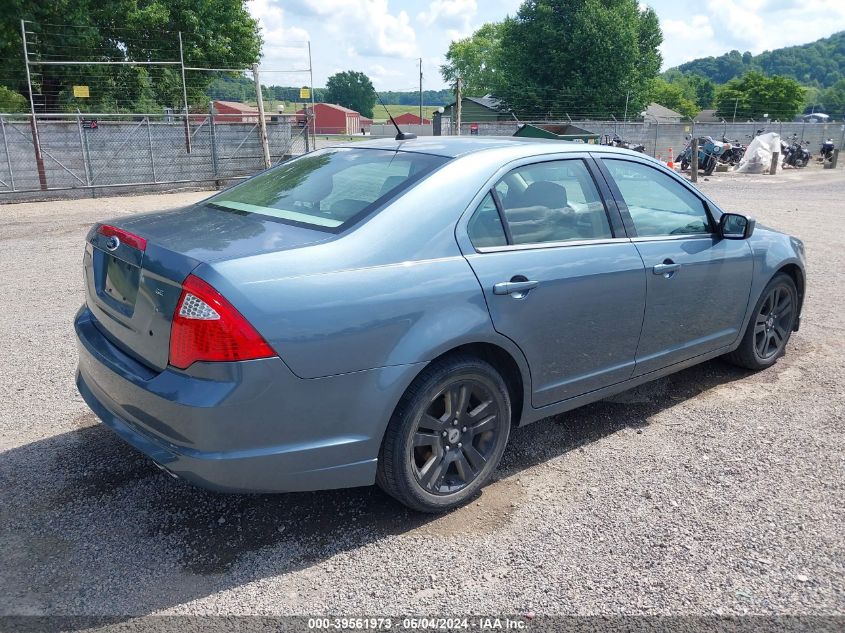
{"x": 455, "y": 146}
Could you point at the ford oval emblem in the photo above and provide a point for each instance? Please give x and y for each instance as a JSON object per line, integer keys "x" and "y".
{"x": 112, "y": 243}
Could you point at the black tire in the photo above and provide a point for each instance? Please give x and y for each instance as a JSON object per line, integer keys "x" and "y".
{"x": 428, "y": 462}
{"x": 684, "y": 165}
{"x": 770, "y": 326}
{"x": 710, "y": 166}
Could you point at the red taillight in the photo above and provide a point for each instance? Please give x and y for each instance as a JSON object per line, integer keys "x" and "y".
{"x": 207, "y": 327}
{"x": 130, "y": 239}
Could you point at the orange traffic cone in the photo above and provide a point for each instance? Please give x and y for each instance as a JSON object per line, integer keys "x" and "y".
{"x": 671, "y": 163}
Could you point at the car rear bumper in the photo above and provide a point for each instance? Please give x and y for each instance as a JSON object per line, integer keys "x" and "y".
{"x": 249, "y": 426}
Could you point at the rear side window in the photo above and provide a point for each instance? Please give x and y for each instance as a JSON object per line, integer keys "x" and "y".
{"x": 485, "y": 226}
{"x": 329, "y": 189}
{"x": 553, "y": 201}
{"x": 658, "y": 205}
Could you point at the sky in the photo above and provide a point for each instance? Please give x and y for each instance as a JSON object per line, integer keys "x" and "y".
{"x": 386, "y": 38}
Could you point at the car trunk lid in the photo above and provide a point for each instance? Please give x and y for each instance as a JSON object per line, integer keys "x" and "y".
{"x": 133, "y": 286}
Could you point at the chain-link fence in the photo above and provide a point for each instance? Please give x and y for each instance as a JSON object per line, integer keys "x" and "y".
{"x": 141, "y": 152}
{"x": 658, "y": 138}
{"x": 83, "y": 88}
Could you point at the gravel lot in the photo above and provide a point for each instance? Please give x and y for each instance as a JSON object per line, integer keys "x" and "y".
{"x": 715, "y": 491}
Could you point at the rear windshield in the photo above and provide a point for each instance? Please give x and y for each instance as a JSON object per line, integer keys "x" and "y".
{"x": 329, "y": 189}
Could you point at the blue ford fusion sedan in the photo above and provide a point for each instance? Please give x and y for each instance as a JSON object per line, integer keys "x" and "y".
{"x": 387, "y": 312}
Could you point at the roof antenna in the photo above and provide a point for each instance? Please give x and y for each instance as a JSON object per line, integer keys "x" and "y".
{"x": 400, "y": 135}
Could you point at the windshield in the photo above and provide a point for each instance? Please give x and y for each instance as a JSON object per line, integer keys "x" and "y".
{"x": 328, "y": 189}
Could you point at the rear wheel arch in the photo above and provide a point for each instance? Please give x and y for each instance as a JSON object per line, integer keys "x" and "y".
{"x": 505, "y": 364}
{"x": 514, "y": 373}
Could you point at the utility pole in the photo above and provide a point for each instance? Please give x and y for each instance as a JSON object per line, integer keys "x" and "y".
{"x": 262, "y": 124}
{"x": 421, "y": 99}
{"x": 627, "y": 96}
{"x": 458, "y": 86}
{"x": 736, "y": 103}
{"x": 185, "y": 96}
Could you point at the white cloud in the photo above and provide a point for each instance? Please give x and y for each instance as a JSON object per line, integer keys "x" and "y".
{"x": 749, "y": 25}
{"x": 455, "y": 17}
{"x": 688, "y": 39}
{"x": 285, "y": 47}
{"x": 451, "y": 14}
{"x": 367, "y": 26}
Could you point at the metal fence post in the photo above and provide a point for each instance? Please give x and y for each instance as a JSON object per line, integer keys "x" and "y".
{"x": 694, "y": 159}
{"x": 212, "y": 138}
{"x": 82, "y": 147}
{"x": 152, "y": 156}
{"x": 36, "y": 141}
{"x": 89, "y": 178}
{"x": 185, "y": 97}
{"x": 8, "y": 158}
{"x": 656, "y": 132}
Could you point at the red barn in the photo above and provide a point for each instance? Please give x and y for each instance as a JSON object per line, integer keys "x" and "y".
{"x": 330, "y": 118}
{"x": 409, "y": 118}
{"x": 234, "y": 112}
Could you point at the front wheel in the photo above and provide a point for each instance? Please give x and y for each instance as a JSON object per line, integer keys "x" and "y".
{"x": 710, "y": 166}
{"x": 446, "y": 436}
{"x": 770, "y": 326}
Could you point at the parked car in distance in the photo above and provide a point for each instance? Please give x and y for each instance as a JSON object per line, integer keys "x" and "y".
{"x": 387, "y": 312}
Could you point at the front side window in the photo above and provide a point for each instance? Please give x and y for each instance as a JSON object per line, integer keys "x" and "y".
{"x": 658, "y": 205}
{"x": 553, "y": 201}
{"x": 329, "y": 189}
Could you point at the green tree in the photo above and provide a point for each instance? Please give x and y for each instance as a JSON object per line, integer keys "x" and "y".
{"x": 216, "y": 33}
{"x": 11, "y": 101}
{"x": 351, "y": 89}
{"x": 754, "y": 94}
{"x": 820, "y": 63}
{"x": 672, "y": 95}
{"x": 833, "y": 100}
{"x": 578, "y": 57}
{"x": 695, "y": 88}
{"x": 703, "y": 89}
{"x": 475, "y": 59}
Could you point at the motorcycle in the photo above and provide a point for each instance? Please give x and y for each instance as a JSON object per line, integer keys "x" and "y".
{"x": 618, "y": 142}
{"x": 709, "y": 154}
{"x": 734, "y": 151}
{"x": 794, "y": 154}
{"x": 826, "y": 152}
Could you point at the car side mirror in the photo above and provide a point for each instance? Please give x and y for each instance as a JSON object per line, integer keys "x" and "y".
{"x": 733, "y": 226}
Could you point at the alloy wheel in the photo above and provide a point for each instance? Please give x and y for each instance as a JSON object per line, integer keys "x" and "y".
{"x": 455, "y": 437}
{"x": 773, "y": 322}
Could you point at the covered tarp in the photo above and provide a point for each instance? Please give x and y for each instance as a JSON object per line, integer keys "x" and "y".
{"x": 758, "y": 154}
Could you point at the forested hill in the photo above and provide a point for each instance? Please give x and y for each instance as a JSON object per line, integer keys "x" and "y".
{"x": 820, "y": 63}
{"x": 242, "y": 89}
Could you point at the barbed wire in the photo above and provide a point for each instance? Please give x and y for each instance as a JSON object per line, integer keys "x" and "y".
{"x": 147, "y": 74}
{"x": 77, "y": 67}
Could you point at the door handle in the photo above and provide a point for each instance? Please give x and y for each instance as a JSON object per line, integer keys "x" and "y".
{"x": 666, "y": 268}
{"x": 514, "y": 287}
